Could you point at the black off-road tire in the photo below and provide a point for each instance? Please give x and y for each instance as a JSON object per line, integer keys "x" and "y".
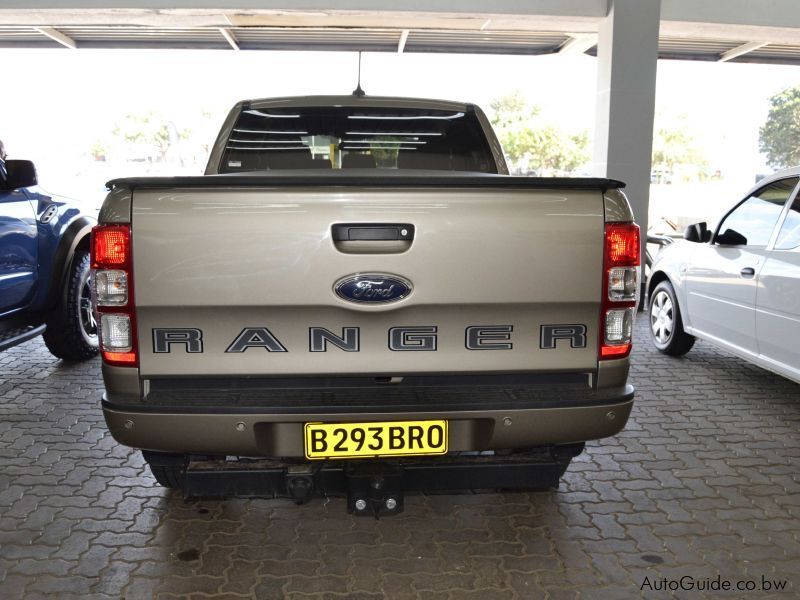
{"x": 167, "y": 476}
{"x": 166, "y": 468}
{"x": 71, "y": 332}
{"x": 666, "y": 322}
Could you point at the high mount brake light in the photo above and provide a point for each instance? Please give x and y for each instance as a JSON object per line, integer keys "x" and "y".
{"x": 621, "y": 262}
{"x": 113, "y": 294}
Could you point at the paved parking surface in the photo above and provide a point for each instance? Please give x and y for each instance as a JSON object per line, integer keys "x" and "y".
{"x": 703, "y": 483}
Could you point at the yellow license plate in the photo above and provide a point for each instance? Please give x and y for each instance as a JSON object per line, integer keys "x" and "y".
{"x": 364, "y": 440}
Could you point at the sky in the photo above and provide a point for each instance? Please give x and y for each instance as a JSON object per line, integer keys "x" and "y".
{"x": 57, "y": 102}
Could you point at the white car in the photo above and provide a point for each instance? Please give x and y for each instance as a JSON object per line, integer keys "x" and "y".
{"x": 737, "y": 286}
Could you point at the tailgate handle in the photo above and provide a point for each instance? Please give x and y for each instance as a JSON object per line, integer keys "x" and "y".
{"x": 372, "y": 232}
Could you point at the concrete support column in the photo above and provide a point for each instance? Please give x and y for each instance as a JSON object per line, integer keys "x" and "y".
{"x": 627, "y": 53}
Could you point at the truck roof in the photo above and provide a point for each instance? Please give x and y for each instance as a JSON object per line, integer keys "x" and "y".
{"x": 352, "y": 100}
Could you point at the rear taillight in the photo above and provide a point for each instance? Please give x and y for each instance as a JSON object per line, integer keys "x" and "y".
{"x": 621, "y": 260}
{"x": 111, "y": 245}
{"x": 112, "y": 274}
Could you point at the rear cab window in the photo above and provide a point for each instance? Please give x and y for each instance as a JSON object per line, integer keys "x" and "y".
{"x": 345, "y": 137}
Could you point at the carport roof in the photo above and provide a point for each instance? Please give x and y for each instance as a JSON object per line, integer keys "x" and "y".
{"x": 372, "y": 39}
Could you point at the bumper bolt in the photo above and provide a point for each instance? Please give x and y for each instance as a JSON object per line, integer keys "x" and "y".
{"x": 128, "y": 424}
{"x": 391, "y": 504}
{"x": 240, "y": 426}
{"x": 361, "y": 504}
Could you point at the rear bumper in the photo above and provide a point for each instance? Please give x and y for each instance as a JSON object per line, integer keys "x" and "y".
{"x": 480, "y": 418}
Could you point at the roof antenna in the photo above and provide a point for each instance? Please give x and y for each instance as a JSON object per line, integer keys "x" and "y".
{"x": 358, "y": 92}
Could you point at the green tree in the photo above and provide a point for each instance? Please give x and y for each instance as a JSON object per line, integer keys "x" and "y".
{"x": 674, "y": 145}
{"x": 385, "y": 155}
{"x": 151, "y": 130}
{"x": 530, "y": 143}
{"x": 778, "y": 137}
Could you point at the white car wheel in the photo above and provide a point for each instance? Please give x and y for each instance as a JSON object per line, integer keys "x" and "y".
{"x": 666, "y": 324}
{"x": 662, "y": 319}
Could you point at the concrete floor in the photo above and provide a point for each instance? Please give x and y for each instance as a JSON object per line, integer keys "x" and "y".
{"x": 703, "y": 482}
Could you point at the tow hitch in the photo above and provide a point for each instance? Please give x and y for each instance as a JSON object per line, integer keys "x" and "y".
{"x": 375, "y": 487}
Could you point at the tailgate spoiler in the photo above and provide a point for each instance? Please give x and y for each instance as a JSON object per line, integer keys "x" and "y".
{"x": 366, "y": 178}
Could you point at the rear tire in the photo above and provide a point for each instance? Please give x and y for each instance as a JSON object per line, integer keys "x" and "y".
{"x": 71, "y": 332}
{"x": 167, "y": 469}
{"x": 168, "y": 477}
{"x": 666, "y": 323}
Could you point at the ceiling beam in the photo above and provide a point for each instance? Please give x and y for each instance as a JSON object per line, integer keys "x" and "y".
{"x": 583, "y": 8}
{"x": 401, "y": 44}
{"x": 57, "y": 36}
{"x": 229, "y": 37}
{"x": 740, "y": 50}
{"x": 578, "y": 43}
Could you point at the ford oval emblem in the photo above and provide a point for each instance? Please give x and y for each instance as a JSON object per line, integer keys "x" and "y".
{"x": 372, "y": 288}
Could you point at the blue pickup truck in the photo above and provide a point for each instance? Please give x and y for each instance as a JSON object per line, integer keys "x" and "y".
{"x": 44, "y": 267}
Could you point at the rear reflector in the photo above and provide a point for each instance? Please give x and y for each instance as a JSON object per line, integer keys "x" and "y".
{"x": 615, "y": 351}
{"x": 125, "y": 359}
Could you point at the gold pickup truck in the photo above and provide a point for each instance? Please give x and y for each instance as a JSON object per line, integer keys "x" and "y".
{"x": 357, "y": 298}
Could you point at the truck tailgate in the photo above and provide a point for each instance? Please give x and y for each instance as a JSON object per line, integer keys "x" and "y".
{"x": 227, "y": 262}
